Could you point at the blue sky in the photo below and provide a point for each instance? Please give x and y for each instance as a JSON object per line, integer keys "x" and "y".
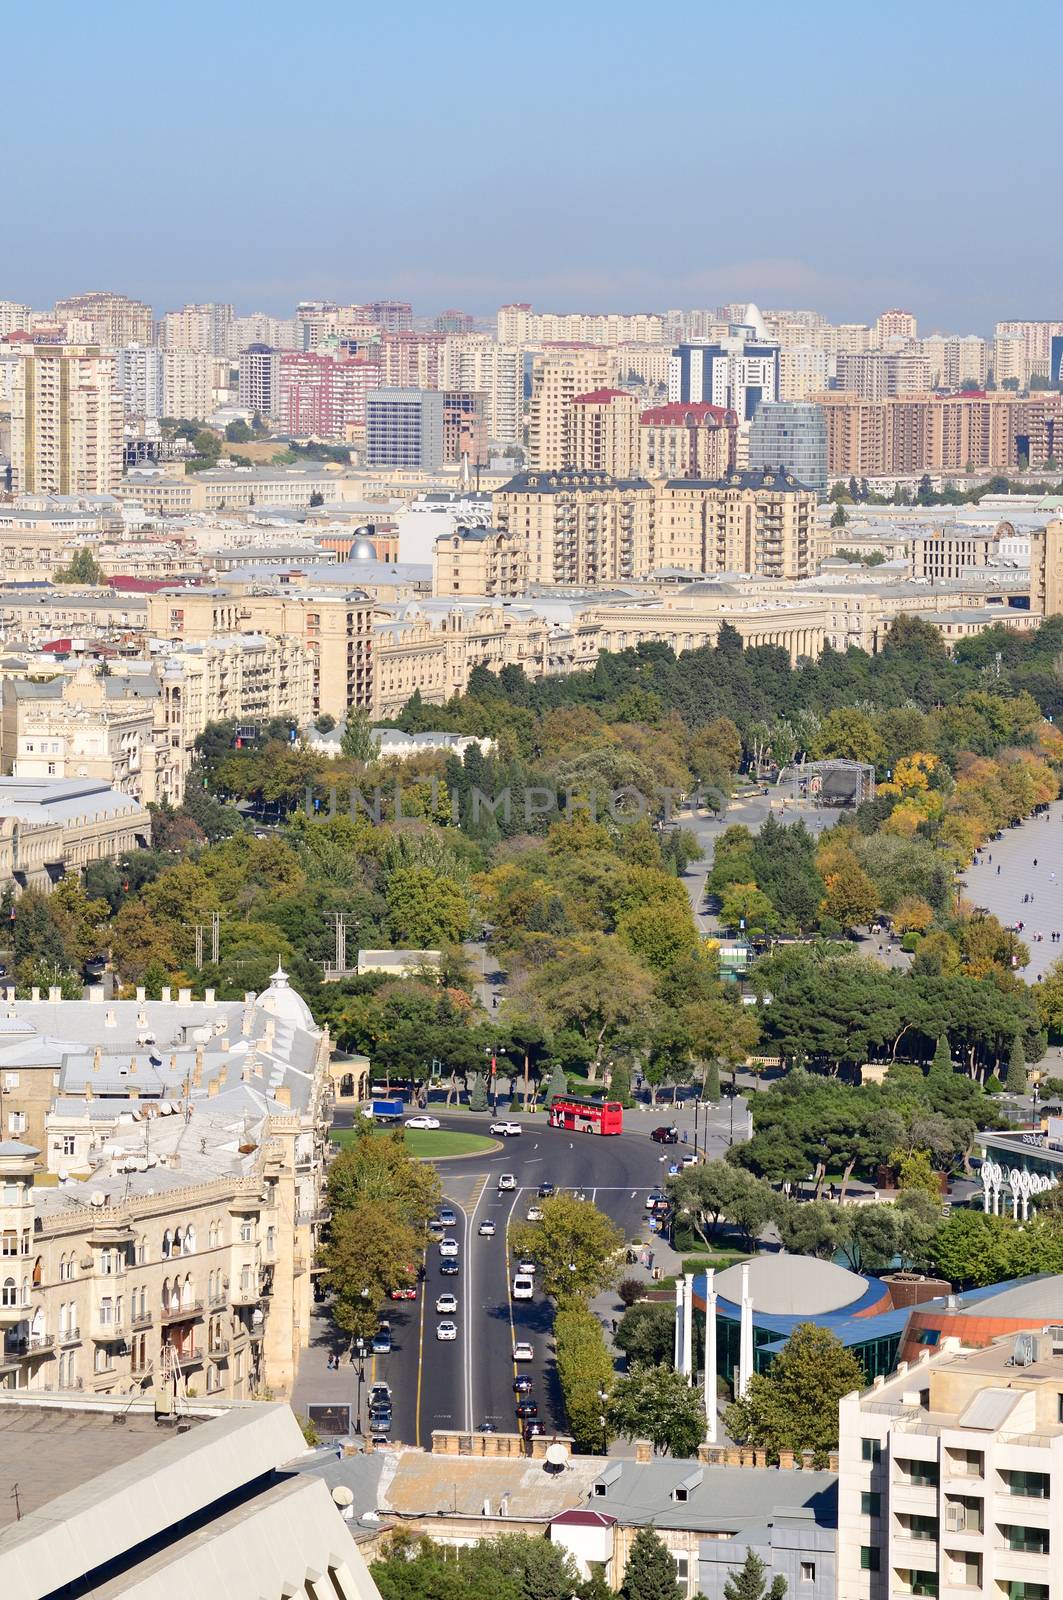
{"x": 585, "y": 155}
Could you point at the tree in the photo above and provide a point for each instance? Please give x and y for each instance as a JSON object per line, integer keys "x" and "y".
{"x": 838, "y": 517}
{"x": 620, "y": 1084}
{"x": 1016, "y": 1081}
{"x": 478, "y": 1093}
{"x": 584, "y": 1372}
{"x": 650, "y": 1571}
{"x": 794, "y": 1405}
{"x": 646, "y": 1333}
{"x": 316, "y": 497}
{"x": 82, "y": 568}
{"x": 357, "y": 743}
{"x": 851, "y": 897}
{"x": 237, "y": 432}
{"x": 370, "y": 1250}
{"x": 914, "y": 1171}
{"x": 426, "y": 910}
{"x": 576, "y": 1246}
{"x": 750, "y": 1582}
{"x": 657, "y": 1403}
{"x": 379, "y": 1169}
{"x": 558, "y": 1085}
{"x": 711, "y": 1089}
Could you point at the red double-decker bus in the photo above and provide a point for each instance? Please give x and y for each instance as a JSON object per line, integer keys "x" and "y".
{"x": 586, "y": 1116}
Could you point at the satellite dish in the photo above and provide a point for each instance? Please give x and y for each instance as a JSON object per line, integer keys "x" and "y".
{"x": 342, "y": 1496}
{"x": 96, "y": 1198}
{"x": 556, "y": 1455}
{"x": 63, "y": 1175}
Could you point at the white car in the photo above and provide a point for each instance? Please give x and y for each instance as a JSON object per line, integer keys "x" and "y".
{"x": 522, "y": 1351}
{"x": 448, "y": 1247}
{"x": 526, "y": 1267}
{"x": 446, "y": 1330}
{"x": 506, "y": 1181}
{"x": 506, "y": 1129}
{"x": 486, "y": 1230}
{"x": 421, "y": 1122}
{"x": 535, "y": 1213}
{"x": 523, "y": 1286}
{"x": 446, "y": 1304}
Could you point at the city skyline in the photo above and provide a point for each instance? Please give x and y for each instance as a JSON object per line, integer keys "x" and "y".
{"x": 813, "y": 168}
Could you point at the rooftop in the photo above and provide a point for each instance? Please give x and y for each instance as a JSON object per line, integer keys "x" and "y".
{"x": 785, "y": 1285}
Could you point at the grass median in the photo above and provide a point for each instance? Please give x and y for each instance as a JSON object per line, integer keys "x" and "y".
{"x": 429, "y": 1143}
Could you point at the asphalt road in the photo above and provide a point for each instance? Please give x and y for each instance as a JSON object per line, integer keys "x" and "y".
{"x": 1027, "y": 859}
{"x": 462, "y": 1383}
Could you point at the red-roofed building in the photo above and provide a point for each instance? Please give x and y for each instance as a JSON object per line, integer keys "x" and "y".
{"x": 687, "y": 439}
{"x": 603, "y": 430}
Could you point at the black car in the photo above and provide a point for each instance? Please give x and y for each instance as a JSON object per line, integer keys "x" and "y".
{"x": 522, "y": 1385}
{"x": 526, "y": 1409}
{"x": 533, "y": 1429}
{"x": 487, "y": 1427}
{"x": 665, "y": 1135}
{"x": 546, "y": 1190}
{"x": 449, "y": 1268}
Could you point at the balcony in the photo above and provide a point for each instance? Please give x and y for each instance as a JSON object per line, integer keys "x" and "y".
{"x": 220, "y": 1347}
{"x": 219, "y": 1298}
{"x": 37, "y": 1344}
{"x": 109, "y": 1333}
{"x": 10, "y": 1313}
{"x": 142, "y": 1319}
{"x": 182, "y": 1313}
{"x": 245, "y": 1294}
{"x": 69, "y": 1336}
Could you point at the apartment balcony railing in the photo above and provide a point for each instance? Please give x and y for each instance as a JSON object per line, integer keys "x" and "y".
{"x": 182, "y": 1313}
{"x": 142, "y": 1319}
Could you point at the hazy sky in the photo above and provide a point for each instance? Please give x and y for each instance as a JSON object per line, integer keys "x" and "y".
{"x": 843, "y": 156}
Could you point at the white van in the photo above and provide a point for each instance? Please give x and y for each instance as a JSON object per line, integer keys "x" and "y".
{"x": 523, "y": 1286}
{"x": 507, "y": 1180}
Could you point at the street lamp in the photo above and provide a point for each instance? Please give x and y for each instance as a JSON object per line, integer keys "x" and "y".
{"x": 602, "y": 1398}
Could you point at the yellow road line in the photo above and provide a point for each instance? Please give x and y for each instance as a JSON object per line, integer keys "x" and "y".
{"x": 420, "y": 1362}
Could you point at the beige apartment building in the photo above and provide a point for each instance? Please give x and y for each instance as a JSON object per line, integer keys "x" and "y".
{"x": 519, "y": 324}
{"x": 956, "y": 363}
{"x": 335, "y": 630}
{"x": 1046, "y": 570}
{"x": 1036, "y": 339}
{"x": 687, "y": 439}
{"x": 474, "y": 362}
{"x": 66, "y": 421}
{"x": 187, "y": 383}
{"x": 804, "y": 370}
{"x": 760, "y": 523}
{"x": 479, "y": 561}
{"x": 951, "y": 1473}
{"x": 53, "y": 826}
{"x": 604, "y": 432}
{"x": 83, "y": 725}
{"x": 558, "y": 376}
{"x": 166, "y": 1257}
{"x": 877, "y": 374}
{"x": 115, "y": 319}
{"x": 894, "y": 325}
{"x": 579, "y": 527}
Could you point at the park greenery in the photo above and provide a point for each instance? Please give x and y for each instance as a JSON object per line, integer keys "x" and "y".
{"x": 794, "y": 1405}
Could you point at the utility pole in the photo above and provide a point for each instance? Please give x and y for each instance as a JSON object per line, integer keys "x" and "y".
{"x": 199, "y": 947}
{"x": 340, "y": 919}
{"x": 215, "y": 936}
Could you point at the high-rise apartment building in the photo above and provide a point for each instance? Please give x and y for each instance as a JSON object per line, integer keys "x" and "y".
{"x": 454, "y": 322}
{"x": 479, "y": 561}
{"x": 197, "y": 328}
{"x": 14, "y": 318}
{"x": 736, "y": 372}
{"x": 474, "y": 362}
{"x": 930, "y": 433}
{"x": 760, "y": 523}
{"x": 139, "y": 375}
{"x": 604, "y": 432}
{"x": 519, "y": 324}
{"x": 1046, "y": 570}
{"x": 259, "y": 380}
{"x": 66, "y": 421}
{"x": 1011, "y": 363}
{"x": 394, "y": 316}
{"x": 954, "y": 362}
{"x": 577, "y": 527}
{"x": 877, "y": 374}
{"x": 894, "y": 325}
{"x": 279, "y": 333}
{"x": 410, "y": 360}
{"x": 696, "y": 440}
{"x": 464, "y": 427}
{"x": 322, "y": 397}
{"x": 790, "y": 434}
{"x": 1037, "y": 339}
{"x": 558, "y": 376}
{"x": 804, "y": 370}
{"x": 187, "y": 377}
{"x": 404, "y": 428}
{"x": 115, "y": 319}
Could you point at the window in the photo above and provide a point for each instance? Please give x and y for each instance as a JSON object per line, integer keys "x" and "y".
{"x": 928, "y": 1336}
{"x": 808, "y": 1572}
{"x": 9, "y": 1242}
{"x": 10, "y": 1080}
{"x": 167, "y": 1244}
{"x": 271, "y": 1235}
{"x": 247, "y": 1231}
{"x": 16, "y": 1122}
{"x": 870, "y": 1503}
{"x": 69, "y": 1144}
{"x": 1031, "y": 1485}
{"x": 1027, "y": 1591}
{"x": 1032, "y": 1541}
{"x": 682, "y": 1568}
{"x": 869, "y": 1558}
{"x": 8, "y": 1292}
{"x": 871, "y": 1450}
{"x": 920, "y": 1474}
{"x": 108, "y": 1263}
{"x": 102, "y": 1359}
{"x": 917, "y": 1527}
{"x": 106, "y": 1311}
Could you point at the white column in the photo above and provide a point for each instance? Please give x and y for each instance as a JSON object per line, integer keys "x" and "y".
{"x": 745, "y": 1340}
{"x": 688, "y": 1325}
{"x": 710, "y": 1356}
{"x": 678, "y": 1350}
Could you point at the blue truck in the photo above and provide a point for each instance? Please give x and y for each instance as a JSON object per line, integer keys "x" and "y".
{"x": 387, "y": 1110}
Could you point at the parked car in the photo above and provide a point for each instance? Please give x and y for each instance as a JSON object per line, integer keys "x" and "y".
{"x": 446, "y": 1330}
{"x": 407, "y": 1292}
{"x": 507, "y": 1130}
{"x": 421, "y": 1122}
{"x": 665, "y": 1135}
{"x": 523, "y": 1286}
{"x": 526, "y": 1266}
{"x": 380, "y": 1419}
{"x": 379, "y": 1394}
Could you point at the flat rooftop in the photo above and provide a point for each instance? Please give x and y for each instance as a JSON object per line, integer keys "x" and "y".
{"x": 47, "y": 1451}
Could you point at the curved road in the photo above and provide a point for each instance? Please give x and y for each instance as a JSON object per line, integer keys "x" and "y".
{"x": 459, "y": 1384}
{"x": 1038, "y": 840}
